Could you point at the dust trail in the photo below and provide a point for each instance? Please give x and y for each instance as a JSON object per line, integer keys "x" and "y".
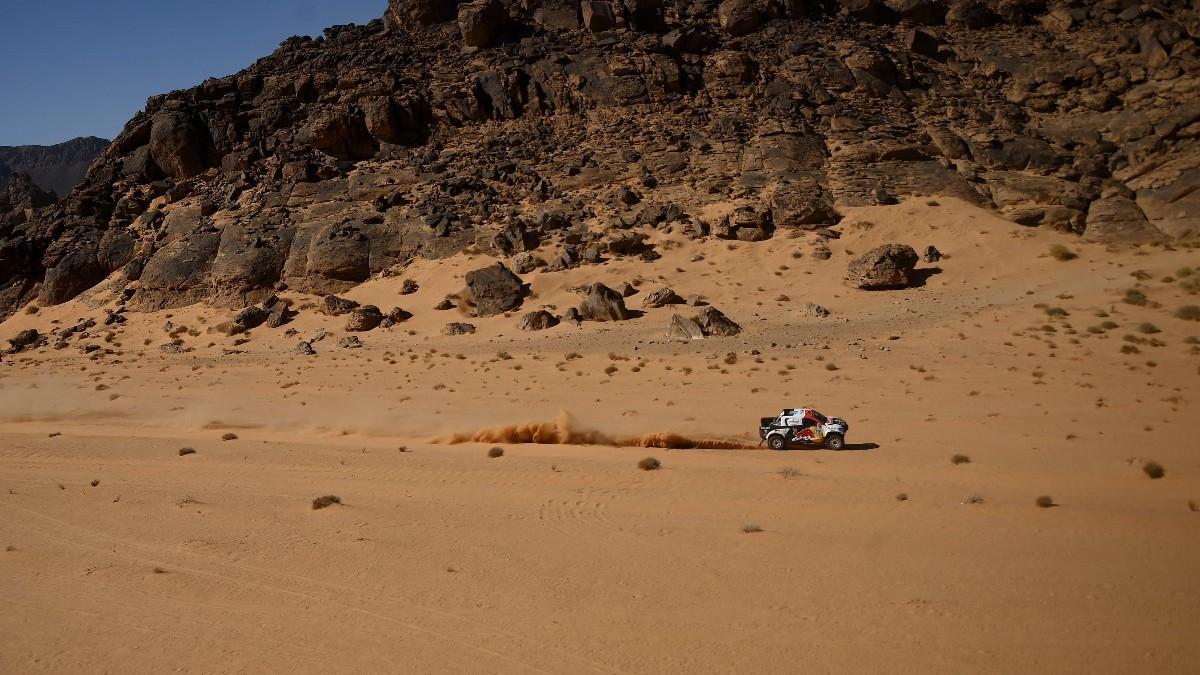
{"x": 562, "y": 431}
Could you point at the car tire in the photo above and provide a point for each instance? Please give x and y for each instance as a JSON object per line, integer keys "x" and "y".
{"x": 777, "y": 442}
{"x": 835, "y": 442}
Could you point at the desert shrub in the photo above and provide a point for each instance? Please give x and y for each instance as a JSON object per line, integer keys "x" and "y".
{"x": 1188, "y": 313}
{"x": 610, "y": 370}
{"x": 1154, "y": 470}
{"x": 1148, "y": 328}
{"x": 1045, "y": 501}
{"x": 973, "y": 499}
{"x": 327, "y": 500}
{"x": 751, "y": 528}
{"x": 790, "y": 473}
{"x": 649, "y": 464}
{"x": 1060, "y": 252}
{"x": 186, "y": 451}
{"x": 1135, "y": 297}
{"x": 229, "y": 436}
{"x": 902, "y": 497}
{"x": 960, "y": 459}
{"x": 495, "y": 453}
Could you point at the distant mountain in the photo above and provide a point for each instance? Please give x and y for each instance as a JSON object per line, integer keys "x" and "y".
{"x": 53, "y": 167}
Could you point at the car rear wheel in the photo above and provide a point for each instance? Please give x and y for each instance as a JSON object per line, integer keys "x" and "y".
{"x": 835, "y": 442}
{"x": 776, "y": 442}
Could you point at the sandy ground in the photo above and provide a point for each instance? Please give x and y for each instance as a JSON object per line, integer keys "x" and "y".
{"x": 567, "y": 558}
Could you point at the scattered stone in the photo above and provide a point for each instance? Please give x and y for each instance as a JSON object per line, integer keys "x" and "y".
{"x": 409, "y": 287}
{"x": 251, "y": 317}
{"x": 932, "y": 254}
{"x": 458, "y": 328}
{"x": 350, "y": 342}
{"x": 814, "y": 311}
{"x": 304, "y": 349}
{"x": 445, "y": 304}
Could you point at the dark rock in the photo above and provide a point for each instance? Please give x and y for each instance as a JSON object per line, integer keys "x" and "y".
{"x": 932, "y": 254}
{"x": 25, "y": 339}
{"x": 627, "y": 290}
{"x": 457, "y": 328}
{"x": 539, "y": 320}
{"x": 745, "y": 224}
{"x": 888, "y": 266}
{"x": 739, "y": 17}
{"x": 251, "y": 317}
{"x": 335, "y": 306}
{"x": 716, "y": 324}
{"x": 350, "y": 342}
{"x": 365, "y": 318}
{"x": 494, "y": 290}
{"x": 603, "y": 304}
{"x": 409, "y": 287}
{"x": 661, "y": 298}
{"x": 304, "y": 349}
{"x": 280, "y": 315}
{"x": 444, "y": 305}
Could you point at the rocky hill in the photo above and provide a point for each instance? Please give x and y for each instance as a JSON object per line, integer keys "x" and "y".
{"x": 560, "y": 132}
{"x": 58, "y": 168}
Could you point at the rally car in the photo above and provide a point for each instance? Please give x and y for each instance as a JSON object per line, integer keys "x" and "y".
{"x": 803, "y": 426}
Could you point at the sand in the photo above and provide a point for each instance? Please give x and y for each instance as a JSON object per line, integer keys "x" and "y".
{"x": 563, "y": 556}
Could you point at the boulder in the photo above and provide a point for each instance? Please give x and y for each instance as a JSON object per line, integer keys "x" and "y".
{"x": 480, "y": 22}
{"x": 179, "y": 145}
{"x": 365, "y": 318}
{"x": 251, "y": 317}
{"x": 683, "y": 328}
{"x": 745, "y": 224}
{"x": 889, "y": 266}
{"x": 603, "y": 304}
{"x": 458, "y": 328}
{"x": 599, "y": 15}
{"x": 350, "y": 342}
{"x": 408, "y": 14}
{"x": 25, "y": 339}
{"x": 494, "y": 290}
{"x": 739, "y": 17}
{"x": 280, "y": 315}
{"x": 335, "y": 306}
{"x": 926, "y": 12}
{"x": 661, "y": 298}
{"x": 1118, "y": 219}
{"x": 539, "y": 320}
{"x": 716, "y": 324}
{"x": 304, "y": 349}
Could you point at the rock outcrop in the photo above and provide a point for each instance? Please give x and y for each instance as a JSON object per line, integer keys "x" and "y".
{"x": 491, "y": 125}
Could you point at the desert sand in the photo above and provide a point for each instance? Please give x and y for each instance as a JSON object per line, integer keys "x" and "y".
{"x": 124, "y": 556}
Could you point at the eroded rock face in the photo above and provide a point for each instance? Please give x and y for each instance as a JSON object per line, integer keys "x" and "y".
{"x": 493, "y": 125}
{"x": 889, "y": 266}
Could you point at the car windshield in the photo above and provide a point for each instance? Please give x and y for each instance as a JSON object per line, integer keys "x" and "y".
{"x": 819, "y": 417}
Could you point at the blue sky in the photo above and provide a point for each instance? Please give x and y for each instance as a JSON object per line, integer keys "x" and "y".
{"x": 83, "y": 67}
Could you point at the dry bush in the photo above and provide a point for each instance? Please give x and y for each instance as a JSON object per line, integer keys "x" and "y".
{"x": 186, "y": 451}
{"x": 751, "y": 528}
{"x": 973, "y": 499}
{"x": 1188, "y": 313}
{"x": 790, "y": 473}
{"x": 902, "y": 497}
{"x": 1045, "y": 501}
{"x": 1135, "y": 297}
{"x": 1148, "y": 328}
{"x": 649, "y": 464}
{"x": 960, "y": 459}
{"x": 229, "y": 436}
{"x": 1060, "y": 252}
{"x": 496, "y": 453}
{"x": 1154, "y": 470}
{"x": 327, "y": 500}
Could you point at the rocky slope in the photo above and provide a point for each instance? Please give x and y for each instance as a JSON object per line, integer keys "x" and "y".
{"x": 57, "y": 168}
{"x": 560, "y": 132}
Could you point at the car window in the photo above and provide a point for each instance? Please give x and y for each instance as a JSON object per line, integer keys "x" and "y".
{"x": 821, "y": 419}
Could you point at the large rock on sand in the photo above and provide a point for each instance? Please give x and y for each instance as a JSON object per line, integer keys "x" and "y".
{"x": 889, "y": 266}
{"x": 603, "y": 304}
{"x": 494, "y": 290}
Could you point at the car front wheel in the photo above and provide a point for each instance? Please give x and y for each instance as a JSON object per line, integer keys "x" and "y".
{"x": 835, "y": 442}
{"x": 776, "y": 442}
